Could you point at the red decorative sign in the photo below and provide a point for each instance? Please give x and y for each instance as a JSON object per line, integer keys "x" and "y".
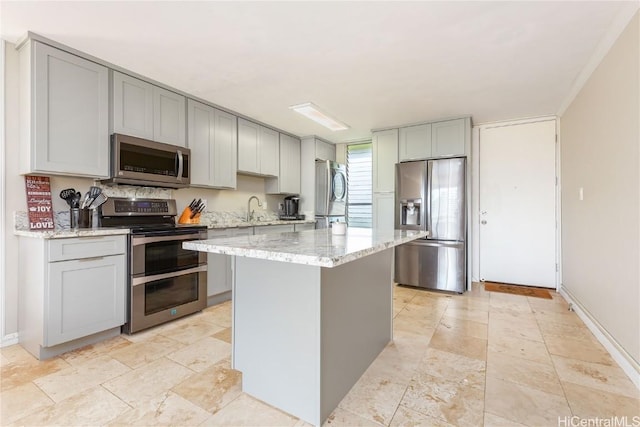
{"x": 39, "y": 202}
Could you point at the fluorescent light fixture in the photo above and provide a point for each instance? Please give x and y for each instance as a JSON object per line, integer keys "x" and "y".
{"x": 311, "y": 111}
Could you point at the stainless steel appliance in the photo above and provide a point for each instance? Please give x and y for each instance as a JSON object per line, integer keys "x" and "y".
{"x": 165, "y": 282}
{"x": 431, "y": 196}
{"x": 331, "y": 192}
{"x": 290, "y": 208}
{"x": 139, "y": 161}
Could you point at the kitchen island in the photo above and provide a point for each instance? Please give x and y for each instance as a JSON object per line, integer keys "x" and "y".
{"x": 311, "y": 311}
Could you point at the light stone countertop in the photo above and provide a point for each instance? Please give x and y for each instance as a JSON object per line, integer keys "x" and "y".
{"x": 313, "y": 247}
{"x": 65, "y": 233}
{"x": 256, "y": 223}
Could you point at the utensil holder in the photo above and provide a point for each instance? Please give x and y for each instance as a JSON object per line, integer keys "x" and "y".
{"x": 80, "y": 218}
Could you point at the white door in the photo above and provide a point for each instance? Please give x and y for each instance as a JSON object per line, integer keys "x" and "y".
{"x": 518, "y": 204}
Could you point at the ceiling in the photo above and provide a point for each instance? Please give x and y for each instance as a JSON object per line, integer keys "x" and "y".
{"x": 370, "y": 64}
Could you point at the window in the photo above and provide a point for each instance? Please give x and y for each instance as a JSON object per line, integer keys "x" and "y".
{"x": 359, "y": 184}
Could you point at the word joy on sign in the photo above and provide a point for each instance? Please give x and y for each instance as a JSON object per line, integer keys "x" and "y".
{"x": 39, "y": 202}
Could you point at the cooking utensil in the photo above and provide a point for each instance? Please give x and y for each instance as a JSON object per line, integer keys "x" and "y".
{"x": 98, "y": 201}
{"x": 75, "y": 201}
{"x": 67, "y": 195}
{"x": 90, "y": 196}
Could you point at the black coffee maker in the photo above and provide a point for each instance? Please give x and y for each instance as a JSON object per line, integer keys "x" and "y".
{"x": 290, "y": 208}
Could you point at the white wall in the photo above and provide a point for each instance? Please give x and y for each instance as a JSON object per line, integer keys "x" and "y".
{"x": 600, "y": 153}
{"x": 14, "y": 193}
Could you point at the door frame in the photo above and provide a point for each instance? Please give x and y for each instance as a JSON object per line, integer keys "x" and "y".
{"x": 475, "y": 190}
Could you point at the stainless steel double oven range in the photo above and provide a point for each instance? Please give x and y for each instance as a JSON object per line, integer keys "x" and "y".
{"x": 165, "y": 281}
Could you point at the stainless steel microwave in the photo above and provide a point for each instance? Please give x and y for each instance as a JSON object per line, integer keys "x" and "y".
{"x": 140, "y": 161}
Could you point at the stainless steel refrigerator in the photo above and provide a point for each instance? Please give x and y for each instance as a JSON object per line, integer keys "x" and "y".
{"x": 431, "y": 196}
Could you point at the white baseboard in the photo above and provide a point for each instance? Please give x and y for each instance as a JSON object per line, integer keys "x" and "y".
{"x": 619, "y": 354}
{"x": 9, "y": 339}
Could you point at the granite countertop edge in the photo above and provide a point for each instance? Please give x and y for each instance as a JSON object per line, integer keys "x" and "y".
{"x": 297, "y": 258}
{"x": 65, "y": 233}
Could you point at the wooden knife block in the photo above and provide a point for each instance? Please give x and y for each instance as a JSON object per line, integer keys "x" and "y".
{"x": 185, "y": 217}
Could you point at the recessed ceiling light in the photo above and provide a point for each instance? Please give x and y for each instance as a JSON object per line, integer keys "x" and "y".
{"x": 311, "y": 111}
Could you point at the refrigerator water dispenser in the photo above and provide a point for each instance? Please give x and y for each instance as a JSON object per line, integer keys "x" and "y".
{"x": 410, "y": 212}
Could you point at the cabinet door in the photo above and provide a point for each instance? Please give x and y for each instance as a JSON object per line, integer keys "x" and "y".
{"x": 269, "y": 152}
{"x": 132, "y": 106}
{"x": 289, "y": 180}
{"x": 201, "y": 132}
{"x": 71, "y": 114}
{"x": 248, "y": 146}
{"x": 219, "y": 268}
{"x": 415, "y": 142}
{"x": 85, "y": 297}
{"x": 383, "y": 211}
{"x": 225, "y": 149}
{"x": 169, "y": 110}
{"x": 385, "y": 157}
{"x": 448, "y": 138}
{"x": 325, "y": 151}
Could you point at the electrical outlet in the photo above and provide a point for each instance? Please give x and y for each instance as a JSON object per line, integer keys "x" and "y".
{"x": 264, "y": 205}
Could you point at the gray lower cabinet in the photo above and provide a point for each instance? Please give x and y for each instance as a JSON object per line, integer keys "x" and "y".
{"x": 73, "y": 294}
{"x": 147, "y": 111}
{"x": 220, "y": 267}
{"x": 65, "y": 99}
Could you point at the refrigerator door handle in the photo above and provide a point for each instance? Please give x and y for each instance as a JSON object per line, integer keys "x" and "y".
{"x": 436, "y": 243}
{"x": 427, "y": 211}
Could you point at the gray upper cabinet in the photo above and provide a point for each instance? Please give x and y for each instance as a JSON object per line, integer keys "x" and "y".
{"x": 258, "y": 149}
{"x": 288, "y": 181}
{"x": 415, "y": 142}
{"x": 148, "y": 111}
{"x": 213, "y": 140}
{"x": 269, "y": 152}
{"x": 169, "y": 122}
{"x": 385, "y": 157}
{"x": 430, "y": 140}
{"x": 448, "y": 138}
{"x": 325, "y": 151}
{"x": 66, "y": 128}
{"x": 132, "y": 106}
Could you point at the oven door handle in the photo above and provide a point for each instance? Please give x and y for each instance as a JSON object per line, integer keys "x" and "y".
{"x": 135, "y": 241}
{"x": 135, "y": 281}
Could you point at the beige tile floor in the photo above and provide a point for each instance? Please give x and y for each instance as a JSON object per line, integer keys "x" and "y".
{"x": 477, "y": 359}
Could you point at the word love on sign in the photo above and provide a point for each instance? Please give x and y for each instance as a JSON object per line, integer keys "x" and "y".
{"x": 39, "y": 202}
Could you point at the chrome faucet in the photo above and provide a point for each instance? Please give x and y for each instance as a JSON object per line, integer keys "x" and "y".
{"x": 249, "y": 211}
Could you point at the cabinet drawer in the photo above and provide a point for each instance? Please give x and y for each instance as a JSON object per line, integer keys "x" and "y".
{"x": 86, "y": 247}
